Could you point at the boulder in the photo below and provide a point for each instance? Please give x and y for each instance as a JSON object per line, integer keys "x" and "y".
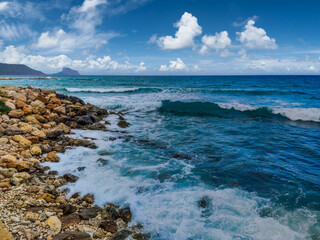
{"x": 72, "y": 236}
{"x": 109, "y": 226}
{"x": 37, "y": 103}
{"x": 87, "y": 213}
{"x": 39, "y": 133}
{"x": 10, "y": 105}
{"x": 52, "y": 157}
{"x": 19, "y": 178}
{"x": 54, "y": 223}
{"x": 70, "y": 220}
{"x": 19, "y": 96}
{"x": 54, "y": 133}
{"x": 110, "y": 212}
{"x": 35, "y": 150}
{"x": 3, "y": 141}
{"x": 16, "y": 113}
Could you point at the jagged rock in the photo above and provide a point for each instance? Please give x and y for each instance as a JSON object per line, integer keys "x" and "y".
{"x": 68, "y": 208}
{"x": 70, "y": 178}
{"x": 35, "y": 150}
{"x": 52, "y": 157}
{"x": 87, "y": 213}
{"x": 109, "y": 226}
{"x": 72, "y": 236}
{"x": 70, "y": 220}
{"x": 110, "y": 212}
{"x": 16, "y": 113}
{"x": 19, "y": 178}
{"x": 54, "y": 133}
{"x": 125, "y": 214}
{"x": 122, "y": 235}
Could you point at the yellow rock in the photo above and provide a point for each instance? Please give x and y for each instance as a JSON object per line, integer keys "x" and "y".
{"x": 52, "y": 157}
{"x": 39, "y": 133}
{"x": 54, "y": 223}
{"x": 4, "y": 233}
{"x": 35, "y": 150}
{"x": 18, "y": 138}
{"x": 26, "y": 128}
{"x": 32, "y": 119}
{"x": 3, "y": 141}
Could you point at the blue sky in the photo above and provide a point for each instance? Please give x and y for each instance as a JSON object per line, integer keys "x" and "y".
{"x": 162, "y": 36}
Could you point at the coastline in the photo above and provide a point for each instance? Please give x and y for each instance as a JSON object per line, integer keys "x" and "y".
{"x": 35, "y": 125}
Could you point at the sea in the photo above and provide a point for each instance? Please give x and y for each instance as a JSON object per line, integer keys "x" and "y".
{"x": 204, "y": 157}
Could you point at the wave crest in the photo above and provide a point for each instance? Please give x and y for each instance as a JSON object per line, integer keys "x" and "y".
{"x": 229, "y": 111}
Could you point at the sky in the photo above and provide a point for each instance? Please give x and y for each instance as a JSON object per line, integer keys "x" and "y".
{"x": 162, "y": 37}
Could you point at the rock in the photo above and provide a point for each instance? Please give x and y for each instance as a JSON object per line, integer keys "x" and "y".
{"x": 26, "y": 110}
{"x": 70, "y": 178}
{"x": 125, "y": 214}
{"x": 35, "y": 150}
{"x": 54, "y": 133}
{"x": 89, "y": 198}
{"x": 70, "y": 220}
{"x": 54, "y": 223}
{"x": 8, "y": 159}
{"x": 11, "y": 131}
{"x": 32, "y": 216}
{"x": 19, "y": 178}
{"x": 26, "y": 128}
{"x": 8, "y": 172}
{"x": 68, "y": 208}
{"x": 87, "y": 213}
{"x": 72, "y": 236}
{"x": 24, "y": 143}
{"x": 110, "y": 212}
{"x": 32, "y": 119}
{"x": 37, "y": 103}
{"x": 21, "y": 104}
{"x": 39, "y": 133}
{"x": 19, "y": 96}
{"x": 5, "y": 185}
{"x": 3, "y": 141}
{"x": 52, "y": 157}
{"x": 123, "y": 124}
{"x": 109, "y": 226}
{"x": 60, "y": 110}
{"x": 16, "y": 113}
{"x": 10, "y": 105}
{"x": 122, "y": 235}
{"x": 84, "y": 120}
{"x": 63, "y": 127}
{"x": 15, "y": 219}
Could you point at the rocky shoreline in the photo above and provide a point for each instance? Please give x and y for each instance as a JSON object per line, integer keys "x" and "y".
{"x": 35, "y": 125}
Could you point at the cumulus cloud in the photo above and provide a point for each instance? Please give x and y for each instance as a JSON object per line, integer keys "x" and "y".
{"x": 51, "y": 64}
{"x": 177, "y": 65}
{"x": 188, "y": 29}
{"x": 47, "y": 41}
{"x": 256, "y": 38}
{"x": 218, "y": 42}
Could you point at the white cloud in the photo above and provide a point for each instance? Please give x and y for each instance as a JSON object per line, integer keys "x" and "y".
{"x": 13, "y": 31}
{"x": 4, "y": 6}
{"x": 218, "y": 42}
{"x": 177, "y": 65}
{"x": 188, "y": 29}
{"x": 82, "y": 21}
{"x": 47, "y": 41}
{"x": 142, "y": 67}
{"x": 256, "y": 38}
{"x": 53, "y": 64}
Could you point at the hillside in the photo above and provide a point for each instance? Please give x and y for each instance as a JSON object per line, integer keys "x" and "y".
{"x": 18, "y": 69}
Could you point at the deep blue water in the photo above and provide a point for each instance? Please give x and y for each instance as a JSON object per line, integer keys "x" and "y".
{"x": 205, "y": 157}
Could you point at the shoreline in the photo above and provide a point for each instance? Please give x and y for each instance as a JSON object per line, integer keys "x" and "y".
{"x": 35, "y": 125}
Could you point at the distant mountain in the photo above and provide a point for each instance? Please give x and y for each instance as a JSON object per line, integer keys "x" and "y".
{"x": 18, "y": 69}
{"x": 68, "y": 72}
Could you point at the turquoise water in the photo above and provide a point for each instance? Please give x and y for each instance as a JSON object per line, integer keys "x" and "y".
{"x": 204, "y": 157}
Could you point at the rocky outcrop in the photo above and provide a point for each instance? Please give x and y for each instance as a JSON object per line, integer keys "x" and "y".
{"x": 32, "y": 206}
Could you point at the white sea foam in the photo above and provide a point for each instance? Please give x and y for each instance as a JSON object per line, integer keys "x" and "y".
{"x": 101, "y": 90}
{"x": 166, "y": 209}
{"x": 303, "y": 114}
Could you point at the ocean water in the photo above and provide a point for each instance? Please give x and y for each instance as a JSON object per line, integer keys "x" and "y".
{"x": 204, "y": 157}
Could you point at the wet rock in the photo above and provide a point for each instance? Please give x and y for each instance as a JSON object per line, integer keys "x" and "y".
{"x": 87, "y": 213}
{"x": 123, "y": 124}
{"x": 102, "y": 162}
{"x": 68, "y": 209}
{"x": 70, "y": 178}
{"x": 110, "y": 212}
{"x": 72, "y": 236}
{"x": 122, "y": 235}
{"x": 80, "y": 169}
{"x": 125, "y": 214}
{"x": 89, "y": 198}
{"x": 84, "y": 120}
{"x": 52, "y": 157}
{"x": 55, "y": 133}
{"x": 109, "y": 226}
{"x": 70, "y": 220}
{"x": 35, "y": 150}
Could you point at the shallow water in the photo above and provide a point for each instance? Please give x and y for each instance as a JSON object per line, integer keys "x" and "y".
{"x": 204, "y": 157}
